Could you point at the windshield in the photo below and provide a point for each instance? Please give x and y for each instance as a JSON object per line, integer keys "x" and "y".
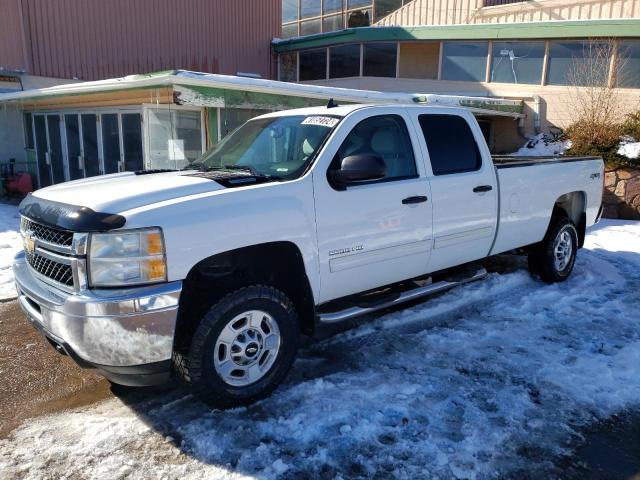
{"x": 279, "y": 147}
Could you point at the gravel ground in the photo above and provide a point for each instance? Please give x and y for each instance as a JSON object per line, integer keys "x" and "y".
{"x": 35, "y": 378}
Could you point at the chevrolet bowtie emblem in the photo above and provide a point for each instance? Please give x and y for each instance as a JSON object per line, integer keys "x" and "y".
{"x": 29, "y": 243}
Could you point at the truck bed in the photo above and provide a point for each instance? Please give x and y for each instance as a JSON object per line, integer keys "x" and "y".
{"x": 510, "y": 161}
{"x": 528, "y": 195}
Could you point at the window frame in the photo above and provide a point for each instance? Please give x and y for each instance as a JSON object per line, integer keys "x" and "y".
{"x": 479, "y": 157}
{"x": 412, "y": 148}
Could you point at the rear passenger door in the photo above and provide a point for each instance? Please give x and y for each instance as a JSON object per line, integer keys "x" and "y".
{"x": 376, "y": 233}
{"x": 463, "y": 186}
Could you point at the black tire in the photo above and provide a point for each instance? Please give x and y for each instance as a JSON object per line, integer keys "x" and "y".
{"x": 542, "y": 258}
{"x": 196, "y": 367}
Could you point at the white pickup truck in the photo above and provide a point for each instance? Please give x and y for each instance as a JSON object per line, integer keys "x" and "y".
{"x": 297, "y": 218}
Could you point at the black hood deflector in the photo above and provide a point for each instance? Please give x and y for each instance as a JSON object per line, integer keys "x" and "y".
{"x": 68, "y": 217}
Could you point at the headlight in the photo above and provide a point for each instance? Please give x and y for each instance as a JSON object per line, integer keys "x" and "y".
{"x": 126, "y": 258}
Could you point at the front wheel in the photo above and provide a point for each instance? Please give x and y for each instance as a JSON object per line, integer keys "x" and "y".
{"x": 243, "y": 347}
{"x": 553, "y": 258}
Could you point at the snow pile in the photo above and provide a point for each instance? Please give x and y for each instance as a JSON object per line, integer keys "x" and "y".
{"x": 493, "y": 379}
{"x": 10, "y": 244}
{"x": 543, "y": 145}
{"x": 629, "y": 147}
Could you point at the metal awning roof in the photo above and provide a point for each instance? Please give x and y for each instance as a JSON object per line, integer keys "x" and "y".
{"x": 561, "y": 29}
{"x": 204, "y": 83}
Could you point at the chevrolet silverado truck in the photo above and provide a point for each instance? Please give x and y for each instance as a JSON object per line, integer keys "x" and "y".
{"x": 296, "y": 219}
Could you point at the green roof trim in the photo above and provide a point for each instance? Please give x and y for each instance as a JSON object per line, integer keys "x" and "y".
{"x": 481, "y": 31}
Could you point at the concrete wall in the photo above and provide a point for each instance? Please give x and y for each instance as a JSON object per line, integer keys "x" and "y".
{"x": 447, "y": 12}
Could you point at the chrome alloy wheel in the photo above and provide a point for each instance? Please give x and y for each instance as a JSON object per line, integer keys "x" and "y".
{"x": 246, "y": 348}
{"x": 562, "y": 250}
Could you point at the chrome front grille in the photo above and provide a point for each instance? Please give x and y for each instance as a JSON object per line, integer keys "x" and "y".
{"x": 55, "y": 255}
{"x": 46, "y": 234}
{"x": 58, "y": 272}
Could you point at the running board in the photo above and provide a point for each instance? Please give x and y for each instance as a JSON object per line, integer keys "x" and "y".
{"x": 352, "y": 312}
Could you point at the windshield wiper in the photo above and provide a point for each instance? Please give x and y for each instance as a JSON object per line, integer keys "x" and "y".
{"x": 252, "y": 171}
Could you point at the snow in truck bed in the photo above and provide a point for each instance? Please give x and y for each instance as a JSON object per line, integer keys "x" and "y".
{"x": 492, "y": 379}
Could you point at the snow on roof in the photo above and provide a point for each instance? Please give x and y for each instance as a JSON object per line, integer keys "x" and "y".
{"x": 488, "y": 105}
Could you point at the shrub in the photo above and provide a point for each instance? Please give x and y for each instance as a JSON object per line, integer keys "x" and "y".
{"x": 589, "y": 137}
{"x": 631, "y": 125}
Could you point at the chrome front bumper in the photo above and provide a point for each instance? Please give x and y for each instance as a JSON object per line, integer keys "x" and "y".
{"x": 105, "y": 329}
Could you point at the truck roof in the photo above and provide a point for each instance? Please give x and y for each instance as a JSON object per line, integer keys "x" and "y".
{"x": 344, "y": 110}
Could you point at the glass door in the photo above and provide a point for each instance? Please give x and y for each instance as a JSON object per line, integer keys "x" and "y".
{"x": 56, "y": 158}
{"x": 132, "y": 141}
{"x": 42, "y": 150}
{"x": 74, "y": 152}
{"x": 90, "y": 157}
{"x": 110, "y": 142}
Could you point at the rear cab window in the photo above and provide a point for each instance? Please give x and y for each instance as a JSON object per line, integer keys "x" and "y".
{"x": 451, "y": 144}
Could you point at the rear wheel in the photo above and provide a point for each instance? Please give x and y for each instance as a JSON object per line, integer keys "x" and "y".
{"x": 553, "y": 258}
{"x": 243, "y": 347}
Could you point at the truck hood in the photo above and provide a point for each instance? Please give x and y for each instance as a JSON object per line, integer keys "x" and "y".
{"x": 120, "y": 192}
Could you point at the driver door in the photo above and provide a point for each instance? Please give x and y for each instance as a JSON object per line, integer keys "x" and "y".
{"x": 373, "y": 233}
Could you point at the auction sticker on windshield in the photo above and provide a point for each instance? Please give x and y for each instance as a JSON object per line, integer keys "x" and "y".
{"x": 322, "y": 121}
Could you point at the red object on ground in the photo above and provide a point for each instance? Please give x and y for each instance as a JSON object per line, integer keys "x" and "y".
{"x": 20, "y": 183}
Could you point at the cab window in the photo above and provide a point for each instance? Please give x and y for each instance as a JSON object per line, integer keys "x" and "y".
{"x": 451, "y": 144}
{"x": 385, "y": 136}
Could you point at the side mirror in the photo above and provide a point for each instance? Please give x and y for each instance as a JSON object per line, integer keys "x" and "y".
{"x": 358, "y": 169}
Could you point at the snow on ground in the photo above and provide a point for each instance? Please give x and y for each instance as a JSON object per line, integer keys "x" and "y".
{"x": 543, "y": 145}
{"x": 629, "y": 147}
{"x": 493, "y": 379}
{"x": 10, "y": 244}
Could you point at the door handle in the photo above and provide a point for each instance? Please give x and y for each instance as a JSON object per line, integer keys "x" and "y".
{"x": 483, "y": 188}
{"x": 413, "y": 200}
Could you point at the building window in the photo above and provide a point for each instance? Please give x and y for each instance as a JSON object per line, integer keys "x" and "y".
{"x": 517, "y": 62}
{"x": 382, "y": 8}
{"x": 331, "y": 6}
{"x": 290, "y": 30}
{"x": 344, "y": 61}
{"x": 359, "y": 18}
{"x": 332, "y": 15}
{"x": 332, "y": 23}
{"x": 578, "y": 63}
{"x": 313, "y": 64}
{"x": 28, "y": 132}
{"x": 419, "y": 60}
{"x": 464, "y": 61}
{"x": 174, "y": 136}
{"x": 288, "y": 68}
{"x": 379, "y": 59}
{"x": 358, "y": 3}
{"x": 310, "y": 8}
{"x": 310, "y": 27}
{"x": 628, "y": 64}
{"x": 289, "y": 10}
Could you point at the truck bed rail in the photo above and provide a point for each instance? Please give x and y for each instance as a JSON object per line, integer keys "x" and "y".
{"x": 510, "y": 161}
